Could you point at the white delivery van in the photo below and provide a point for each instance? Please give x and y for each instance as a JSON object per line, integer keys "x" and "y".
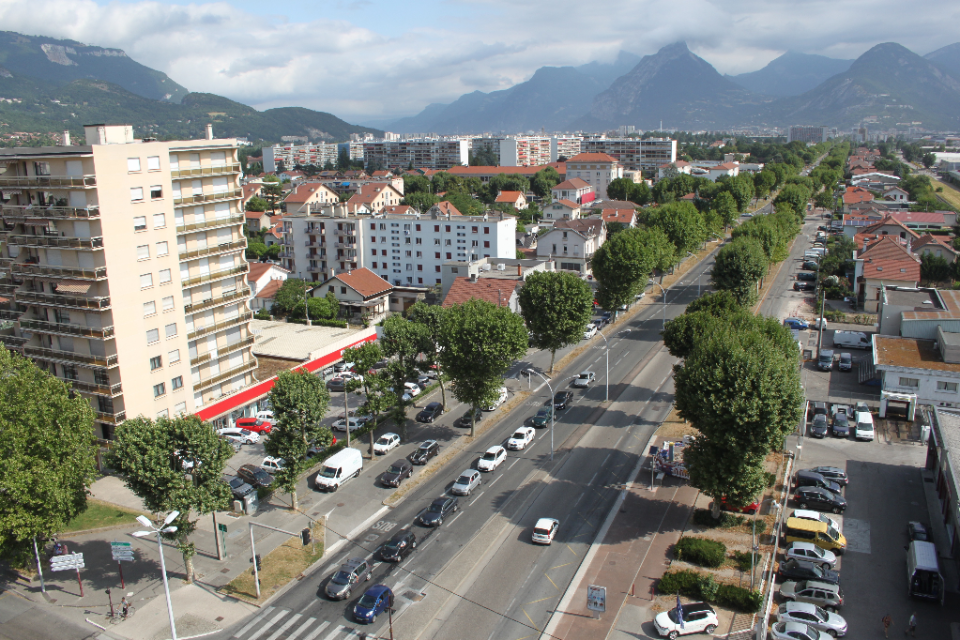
{"x": 339, "y": 468}
{"x": 820, "y": 251}
{"x": 851, "y": 340}
{"x": 811, "y": 255}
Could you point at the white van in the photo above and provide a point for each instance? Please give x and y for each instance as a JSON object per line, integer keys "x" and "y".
{"x": 339, "y": 468}
{"x": 864, "y": 428}
{"x": 851, "y": 340}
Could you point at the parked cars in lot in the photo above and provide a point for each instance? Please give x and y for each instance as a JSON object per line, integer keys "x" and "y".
{"x": 807, "y": 276}
{"x": 584, "y": 379}
{"x": 813, "y": 265}
{"x": 810, "y": 478}
{"x": 245, "y": 436}
{"x": 438, "y": 510}
{"x": 813, "y": 616}
{"x": 822, "y": 594}
{"x": 794, "y": 631}
{"x": 825, "y": 360}
{"x": 399, "y": 546}
{"x": 543, "y": 416}
{"x": 545, "y": 530}
{"x": 521, "y": 438}
{"x": 841, "y": 425}
{"x": 351, "y": 573}
{"x": 806, "y": 514}
{"x": 338, "y": 469}
{"x": 561, "y": 399}
{"x": 501, "y": 398}
{"x": 818, "y": 428}
{"x": 425, "y": 452}
{"x": 834, "y": 474}
{"x": 819, "y": 498}
{"x": 492, "y": 458}
{"x": 694, "y": 617}
{"x": 795, "y": 323}
{"x": 396, "y": 472}
{"x": 254, "y": 424}
{"x": 846, "y": 362}
{"x": 463, "y": 422}
{"x": 338, "y": 384}
{"x": 466, "y": 483}
{"x": 430, "y": 412}
{"x": 794, "y": 569}
{"x": 254, "y": 475}
{"x": 864, "y": 429}
{"x": 372, "y": 603}
{"x": 410, "y": 391}
{"x": 386, "y": 443}
{"x": 590, "y": 331}
{"x": 812, "y": 553}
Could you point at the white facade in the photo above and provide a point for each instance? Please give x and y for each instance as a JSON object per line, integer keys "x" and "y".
{"x": 426, "y": 153}
{"x": 303, "y": 154}
{"x": 634, "y": 153}
{"x": 564, "y": 146}
{"x": 596, "y": 169}
{"x": 317, "y": 246}
{"x": 526, "y": 151}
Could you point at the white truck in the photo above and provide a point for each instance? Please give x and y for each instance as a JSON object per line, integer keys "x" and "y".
{"x": 339, "y": 468}
{"x": 851, "y": 340}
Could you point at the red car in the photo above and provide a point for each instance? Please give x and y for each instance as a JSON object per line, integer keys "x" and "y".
{"x": 254, "y": 424}
{"x": 750, "y": 509}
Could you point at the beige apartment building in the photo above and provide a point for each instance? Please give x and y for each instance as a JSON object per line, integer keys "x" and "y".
{"x": 122, "y": 270}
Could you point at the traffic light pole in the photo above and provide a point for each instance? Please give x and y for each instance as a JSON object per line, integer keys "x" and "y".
{"x": 303, "y": 534}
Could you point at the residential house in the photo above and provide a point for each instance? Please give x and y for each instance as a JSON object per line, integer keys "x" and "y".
{"x": 275, "y": 234}
{"x": 886, "y": 226}
{"x": 884, "y": 261}
{"x": 855, "y": 195}
{"x": 250, "y": 190}
{"x": 597, "y": 169}
{"x": 626, "y": 217}
{"x": 494, "y": 269}
{"x": 308, "y": 197}
{"x": 515, "y": 199}
{"x": 572, "y": 243}
{"x": 896, "y": 194}
{"x": 256, "y": 221}
{"x": 929, "y": 244}
{"x": 575, "y": 190}
{"x": 264, "y": 280}
{"x": 376, "y": 196}
{"x": 499, "y": 292}
{"x": 925, "y": 220}
{"x": 294, "y": 176}
{"x": 561, "y": 210}
{"x": 671, "y": 169}
{"x": 443, "y": 208}
{"x": 731, "y": 169}
{"x": 363, "y": 295}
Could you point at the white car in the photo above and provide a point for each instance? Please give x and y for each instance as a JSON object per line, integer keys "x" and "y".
{"x": 864, "y": 429}
{"x": 590, "y": 331}
{"x": 816, "y": 324}
{"x": 795, "y": 631}
{"x": 466, "y": 483}
{"x": 584, "y": 379}
{"x": 355, "y": 423}
{"x": 271, "y": 465}
{"x": 247, "y": 437}
{"x": 521, "y": 438}
{"x": 813, "y": 616}
{"x": 492, "y": 458}
{"x": 693, "y": 617}
{"x": 411, "y": 391}
{"x": 501, "y": 398}
{"x": 386, "y": 443}
{"x": 350, "y": 375}
{"x": 545, "y": 530}
{"x": 265, "y": 415}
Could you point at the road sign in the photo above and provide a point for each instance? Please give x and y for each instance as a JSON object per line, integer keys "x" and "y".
{"x": 121, "y": 545}
{"x": 222, "y": 527}
{"x": 124, "y": 557}
{"x": 597, "y": 598}
{"x": 67, "y": 563}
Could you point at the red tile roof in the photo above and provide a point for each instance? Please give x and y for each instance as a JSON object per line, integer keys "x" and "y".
{"x": 856, "y": 194}
{"x": 270, "y": 289}
{"x": 928, "y": 239}
{"x": 491, "y": 170}
{"x": 887, "y": 259}
{"x": 568, "y": 203}
{"x": 583, "y": 226}
{"x": 364, "y": 282}
{"x": 592, "y": 157}
{"x": 493, "y": 290}
{"x": 920, "y": 217}
{"x": 509, "y": 197}
{"x": 446, "y": 207}
{"x": 888, "y": 220}
{"x": 255, "y": 215}
{"x": 624, "y": 216}
{"x": 251, "y": 189}
{"x": 727, "y": 166}
{"x": 302, "y": 193}
{"x": 572, "y": 183}
{"x": 257, "y": 269}
{"x": 399, "y": 209}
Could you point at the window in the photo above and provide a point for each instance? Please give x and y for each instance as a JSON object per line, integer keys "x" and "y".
{"x": 140, "y": 223}
{"x": 179, "y": 408}
{"x": 486, "y": 230}
{"x": 173, "y": 356}
{"x": 437, "y": 268}
{"x": 343, "y": 290}
{"x": 486, "y": 244}
{"x": 149, "y": 308}
{"x": 165, "y": 276}
{"x": 437, "y": 255}
{"x": 418, "y": 227}
{"x": 155, "y": 363}
{"x": 153, "y": 163}
{"x": 133, "y": 164}
{"x": 474, "y": 229}
{"x": 167, "y": 303}
{"x": 159, "y": 221}
{"x": 159, "y": 390}
{"x": 153, "y": 335}
{"x": 136, "y": 194}
{"x": 146, "y": 280}
{"x": 162, "y": 249}
{"x": 419, "y": 267}
{"x": 164, "y": 413}
{"x": 910, "y": 382}
{"x": 449, "y": 256}
{"x": 143, "y": 252}
{"x": 170, "y": 329}
{"x": 176, "y": 383}
{"x": 950, "y": 387}
{"x": 373, "y": 226}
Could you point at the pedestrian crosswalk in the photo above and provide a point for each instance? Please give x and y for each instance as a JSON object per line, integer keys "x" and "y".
{"x": 284, "y": 624}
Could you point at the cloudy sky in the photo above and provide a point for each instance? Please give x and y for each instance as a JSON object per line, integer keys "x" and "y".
{"x": 368, "y": 60}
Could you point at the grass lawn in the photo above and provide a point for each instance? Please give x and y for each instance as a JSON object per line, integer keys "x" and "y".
{"x": 949, "y": 193}
{"x": 101, "y": 514}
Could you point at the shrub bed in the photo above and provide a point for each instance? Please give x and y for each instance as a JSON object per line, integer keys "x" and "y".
{"x": 706, "y": 553}
{"x": 727, "y": 520}
{"x": 703, "y": 587}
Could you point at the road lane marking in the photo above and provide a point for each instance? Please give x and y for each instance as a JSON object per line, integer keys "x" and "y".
{"x": 560, "y": 566}
{"x": 266, "y": 627}
{"x": 253, "y": 622}
{"x": 552, "y": 582}
{"x": 303, "y": 627}
{"x": 455, "y": 517}
{"x": 515, "y": 461}
{"x": 571, "y": 550}
{"x": 332, "y": 633}
{"x": 578, "y": 499}
{"x": 540, "y": 600}
{"x": 532, "y": 623}
{"x": 477, "y": 498}
{"x": 495, "y": 481}
{"x": 289, "y": 623}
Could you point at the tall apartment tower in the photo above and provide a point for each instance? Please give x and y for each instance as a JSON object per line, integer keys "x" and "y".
{"x": 122, "y": 270}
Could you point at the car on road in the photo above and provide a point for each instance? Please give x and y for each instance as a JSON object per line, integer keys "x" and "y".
{"x": 819, "y": 498}
{"x": 812, "y": 616}
{"x": 834, "y": 474}
{"x": 819, "y": 593}
{"x": 693, "y": 617}
{"x": 255, "y": 475}
{"x": 396, "y": 472}
{"x": 245, "y": 436}
{"x": 239, "y": 488}
{"x": 399, "y": 546}
{"x": 789, "y": 630}
{"x": 427, "y": 450}
{"x": 372, "y": 603}
{"x": 561, "y": 399}
{"x": 918, "y": 531}
{"x": 439, "y": 509}
{"x": 545, "y": 530}
{"x": 813, "y": 265}
{"x": 351, "y": 573}
{"x": 825, "y": 360}
{"x": 812, "y": 553}
{"x": 355, "y": 423}
{"x": 466, "y": 483}
{"x": 463, "y": 422}
{"x": 543, "y": 416}
{"x": 841, "y": 425}
{"x": 807, "y": 276}
{"x": 818, "y": 428}
{"x": 521, "y": 438}
{"x": 500, "y": 399}
{"x": 801, "y": 285}
{"x": 796, "y": 323}
{"x": 254, "y": 424}
{"x": 430, "y": 412}
{"x": 584, "y": 379}
{"x": 492, "y": 458}
{"x": 386, "y": 443}
{"x": 846, "y": 362}
{"x": 589, "y": 331}
{"x": 271, "y": 465}
{"x": 794, "y": 569}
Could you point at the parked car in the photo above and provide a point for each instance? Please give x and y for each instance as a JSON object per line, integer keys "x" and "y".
{"x": 430, "y": 412}
{"x": 266, "y": 414}
{"x": 918, "y": 531}
{"x": 825, "y": 360}
{"x": 864, "y": 428}
{"x": 425, "y": 452}
{"x": 254, "y": 424}
{"x": 794, "y": 569}
{"x": 807, "y": 276}
{"x": 354, "y": 423}
{"x": 501, "y": 398}
{"x": 338, "y": 384}
{"x": 492, "y": 458}
{"x": 561, "y": 399}
{"x": 386, "y": 443}
{"x": 521, "y": 438}
{"x": 463, "y": 422}
{"x": 788, "y": 630}
{"x": 590, "y": 331}
{"x": 795, "y": 323}
{"x": 749, "y": 509}
{"x": 396, "y": 472}
{"x": 846, "y": 362}
{"x": 543, "y": 416}
{"x": 834, "y": 474}
{"x": 439, "y": 509}
{"x": 271, "y": 465}
{"x": 813, "y": 616}
{"x": 466, "y": 483}
{"x": 818, "y": 408}
{"x": 343, "y": 366}
{"x": 801, "y": 285}
{"x": 817, "y": 322}
{"x": 818, "y": 428}
{"x": 584, "y": 379}
{"x": 841, "y": 425}
{"x": 351, "y": 573}
{"x": 813, "y": 265}
{"x": 819, "y": 593}
{"x": 816, "y": 516}
{"x": 372, "y": 603}
{"x": 255, "y": 475}
{"x": 693, "y": 617}
{"x": 811, "y": 553}
{"x": 545, "y": 530}
{"x": 399, "y": 546}
{"x": 247, "y": 437}
{"x": 410, "y": 391}
{"x": 819, "y": 498}
{"x": 810, "y": 478}
{"x": 239, "y": 488}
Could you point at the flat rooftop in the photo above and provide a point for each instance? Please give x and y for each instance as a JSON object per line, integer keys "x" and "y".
{"x": 919, "y": 300}
{"x": 296, "y": 342}
{"x": 910, "y": 353}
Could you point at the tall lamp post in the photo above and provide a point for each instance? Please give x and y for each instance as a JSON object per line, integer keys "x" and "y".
{"x": 553, "y": 411}
{"x": 606, "y": 380}
{"x": 664, "y": 294}
{"x": 166, "y": 527}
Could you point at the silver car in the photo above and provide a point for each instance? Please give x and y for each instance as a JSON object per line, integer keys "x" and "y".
{"x": 812, "y": 553}
{"x": 795, "y": 631}
{"x": 466, "y": 483}
{"x": 813, "y": 616}
{"x": 584, "y": 379}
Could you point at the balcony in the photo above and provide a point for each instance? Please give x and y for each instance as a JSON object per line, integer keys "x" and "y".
{"x": 44, "y": 326}
{"x": 22, "y": 269}
{"x": 240, "y": 294}
{"x": 220, "y": 326}
{"x": 215, "y": 275}
{"x": 48, "y": 182}
{"x": 226, "y": 247}
{"x": 111, "y": 418}
{"x": 57, "y": 355}
{"x": 250, "y": 365}
{"x": 230, "y": 348}
{"x": 205, "y": 171}
{"x": 57, "y": 300}
{"x": 12, "y": 342}
{"x": 10, "y": 314}
{"x": 90, "y": 244}
{"x": 229, "y": 194}
{"x": 108, "y": 390}
{"x": 22, "y": 212}
{"x": 210, "y": 224}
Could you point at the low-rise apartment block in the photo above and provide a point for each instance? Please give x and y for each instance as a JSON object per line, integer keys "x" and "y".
{"x": 634, "y": 153}
{"x": 596, "y": 169}
{"x": 299, "y": 154}
{"x": 321, "y": 243}
{"x": 427, "y": 153}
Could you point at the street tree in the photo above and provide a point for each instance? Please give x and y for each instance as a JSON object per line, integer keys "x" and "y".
{"x": 824, "y": 199}
{"x": 430, "y": 319}
{"x": 725, "y": 207}
{"x": 378, "y": 397}
{"x": 556, "y": 307}
{"x": 624, "y": 262}
{"x": 48, "y": 451}
{"x": 174, "y": 464}
{"x": 299, "y": 401}
{"x": 739, "y": 267}
{"x": 480, "y": 342}
{"x": 682, "y": 224}
{"x": 289, "y": 296}
{"x": 402, "y": 341}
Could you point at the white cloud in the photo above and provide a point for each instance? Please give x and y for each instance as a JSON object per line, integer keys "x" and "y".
{"x": 457, "y": 46}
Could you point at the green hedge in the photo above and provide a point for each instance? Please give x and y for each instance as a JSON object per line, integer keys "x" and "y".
{"x": 703, "y": 587}
{"x": 727, "y": 520}
{"x": 742, "y": 558}
{"x": 739, "y": 599}
{"x": 706, "y": 553}
{"x": 320, "y": 322}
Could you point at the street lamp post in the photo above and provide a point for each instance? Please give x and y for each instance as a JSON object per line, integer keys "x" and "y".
{"x": 698, "y": 276}
{"x": 166, "y": 527}
{"x": 306, "y": 307}
{"x": 606, "y": 380}
{"x": 664, "y": 294}
{"x": 754, "y": 549}
{"x": 553, "y": 411}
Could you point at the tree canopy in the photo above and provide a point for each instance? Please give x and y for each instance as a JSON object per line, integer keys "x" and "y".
{"x": 556, "y": 307}
{"x": 625, "y": 261}
{"x": 739, "y": 267}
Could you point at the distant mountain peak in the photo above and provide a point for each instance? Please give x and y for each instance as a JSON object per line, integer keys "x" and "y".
{"x": 947, "y": 58}
{"x": 791, "y": 74}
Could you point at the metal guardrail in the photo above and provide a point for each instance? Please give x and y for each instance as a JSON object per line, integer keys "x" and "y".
{"x": 215, "y": 275}
{"x": 205, "y": 171}
{"x": 57, "y": 300}
{"x": 109, "y": 390}
{"x": 226, "y": 375}
{"x": 25, "y": 269}
{"x": 112, "y": 418}
{"x": 239, "y": 294}
{"x": 63, "y": 243}
{"x": 53, "y": 182}
{"x": 226, "y": 247}
{"x": 208, "y": 197}
{"x": 210, "y": 224}
{"x": 66, "y": 329}
{"x": 236, "y": 346}
{"x": 69, "y": 356}
{"x": 220, "y": 326}
{"x": 23, "y": 211}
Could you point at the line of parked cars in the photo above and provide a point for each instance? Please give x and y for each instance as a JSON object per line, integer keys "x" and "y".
{"x": 846, "y": 421}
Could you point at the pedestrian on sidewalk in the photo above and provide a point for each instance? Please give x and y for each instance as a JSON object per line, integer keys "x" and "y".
{"x": 911, "y": 626}
{"x": 887, "y": 621}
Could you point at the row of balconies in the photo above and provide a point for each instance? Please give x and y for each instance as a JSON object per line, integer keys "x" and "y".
{"x": 223, "y": 325}
{"x": 205, "y": 171}
{"x": 111, "y": 418}
{"x": 59, "y": 300}
{"x": 97, "y": 389}
{"x": 249, "y": 365}
{"x": 25, "y": 240}
{"x": 240, "y": 294}
{"x": 24, "y": 212}
{"x": 47, "y": 182}
{"x": 215, "y": 275}
{"x": 229, "y": 194}
{"x": 23, "y": 269}
{"x": 56, "y": 355}
{"x": 226, "y": 247}
{"x": 236, "y": 218}
{"x": 230, "y": 348}
{"x": 59, "y": 328}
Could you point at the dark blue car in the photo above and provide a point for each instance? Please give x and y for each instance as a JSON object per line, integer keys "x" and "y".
{"x": 372, "y": 603}
{"x": 796, "y": 323}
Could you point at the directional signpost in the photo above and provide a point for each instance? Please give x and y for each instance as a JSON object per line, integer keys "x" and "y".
{"x": 122, "y": 552}
{"x": 67, "y": 562}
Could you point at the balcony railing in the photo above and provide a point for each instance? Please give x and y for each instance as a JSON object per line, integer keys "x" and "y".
{"x": 112, "y": 418}
{"x": 250, "y": 365}
{"x": 109, "y": 390}
{"x": 230, "y": 348}
{"x": 92, "y": 244}
{"x": 229, "y": 194}
{"x": 49, "y": 213}
{"x": 51, "y": 182}
{"x": 10, "y": 314}
{"x": 69, "y": 356}
{"x": 12, "y": 342}
{"x": 21, "y": 269}
{"x": 219, "y": 326}
{"x": 57, "y": 300}
{"x": 240, "y": 294}
{"x": 205, "y": 171}
{"x": 44, "y": 326}
{"x": 215, "y": 275}
{"x": 210, "y": 224}
{"x": 226, "y": 247}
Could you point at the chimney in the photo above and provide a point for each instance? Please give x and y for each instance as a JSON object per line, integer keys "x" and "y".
{"x": 209, "y": 131}
{"x": 66, "y": 138}
{"x": 473, "y": 277}
{"x": 519, "y": 270}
